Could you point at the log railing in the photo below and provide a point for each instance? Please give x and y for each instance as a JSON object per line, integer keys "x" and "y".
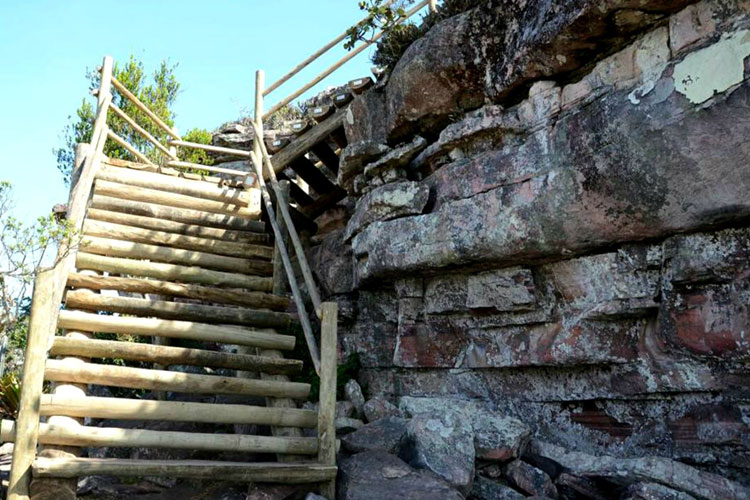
{"x": 331, "y": 69}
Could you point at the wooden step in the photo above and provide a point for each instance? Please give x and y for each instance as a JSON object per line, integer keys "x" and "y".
{"x": 170, "y": 355}
{"x": 302, "y": 145}
{"x": 125, "y": 192}
{"x": 87, "y": 322}
{"x": 186, "y": 274}
{"x": 176, "y": 185}
{"x": 182, "y": 215}
{"x": 258, "y": 300}
{"x": 169, "y": 226}
{"x": 162, "y": 380}
{"x": 70, "y": 435}
{"x": 326, "y": 155}
{"x": 147, "y": 236}
{"x": 313, "y": 176}
{"x": 287, "y": 473}
{"x": 122, "y": 248}
{"x": 81, "y": 299}
{"x": 175, "y": 411}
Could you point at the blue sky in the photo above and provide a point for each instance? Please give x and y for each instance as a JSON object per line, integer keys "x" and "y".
{"x": 46, "y": 46}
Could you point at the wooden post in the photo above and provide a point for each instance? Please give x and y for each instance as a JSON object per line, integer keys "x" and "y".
{"x": 327, "y": 409}
{"x": 433, "y": 6}
{"x": 280, "y": 285}
{"x": 49, "y": 287}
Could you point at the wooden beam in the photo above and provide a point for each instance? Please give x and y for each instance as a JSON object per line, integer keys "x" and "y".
{"x": 168, "y": 226}
{"x": 312, "y": 175}
{"x": 299, "y": 473}
{"x": 151, "y": 327}
{"x": 124, "y": 248}
{"x": 181, "y": 215}
{"x": 128, "y": 147}
{"x": 138, "y": 104}
{"x": 185, "y": 274}
{"x": 178, "y": 310}
{"x": 124, "y": 191}
{"x": 162, "y": 380}
{"x": 139, "y": 235}
{"x": 177, "y": 185}
{"x": 146, "y": 135}
{"x": 302, "y": 145}
{"x": 175, "y": 411}
{"x": 326, "y": 155}
{"x": 327, "y": 406}
{"x": 238, "y": 297}
{"x": 207, "y": 168}
{"x": 170, "y": 355}
{"x": 298, "y": 195}
{"x": 214, "y": 149}
{"x": 138, "y": 438}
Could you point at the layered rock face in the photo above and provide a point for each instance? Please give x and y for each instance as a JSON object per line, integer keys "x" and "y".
{"x": 561, "y": 228}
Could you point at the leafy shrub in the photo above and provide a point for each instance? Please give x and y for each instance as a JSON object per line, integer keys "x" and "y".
{"x": 200, "y": 136}
{"x": 10, "y": 395}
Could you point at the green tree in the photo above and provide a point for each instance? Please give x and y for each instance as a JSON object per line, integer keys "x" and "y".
{"x": 158, "y": 94}
{"x": 199, "y": 156}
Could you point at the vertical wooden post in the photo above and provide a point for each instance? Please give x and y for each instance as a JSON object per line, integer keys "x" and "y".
{"x": 280, "y": 285}
{"x": 327, "y": 410}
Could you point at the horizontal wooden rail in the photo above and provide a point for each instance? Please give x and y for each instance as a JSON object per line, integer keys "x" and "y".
{"x": 138, "y": 104}
{"x": 207, "y": 168}
{"x": 146, "y": 135}
{"x": 340, "y": 63}
{"x": 137, "y": 438}
{"x": 185, "y": 274}
{"x": 272, "y": 472}
{"x": 125, "y": 144}
{"x": 90, "y": 322}
{"x": 162, "y": 380}
{"x": 170, "y": 355}
{"x": 313, "y": 57}
{"x": 175, "y": 411}
{"x": 214, "y": 149}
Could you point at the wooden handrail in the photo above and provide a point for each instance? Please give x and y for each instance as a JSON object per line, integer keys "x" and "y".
{"x": 207, "y": 168}
{"x": 215, "y": 149}
{"x": 340, "y": 63}
{"x": 138, "y": 104}
{"x": 125, "y": 144}
{"x": 313, "y": 57}
{"x": 150, "y": 138}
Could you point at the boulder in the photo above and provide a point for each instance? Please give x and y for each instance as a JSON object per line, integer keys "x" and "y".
{"x": 626, "y": 471}
{"x": 387, "y": 202}
{"x": 382, "y": 435}
{"x": 499, "y": 437}
{"x": 353, "y": 394}
{"x": 528, "y": 478}
{"x": 365, "y": 119}
{"x": 398, "y": 158}
{"x": 378, "y": 408}
{"x": 377, "y": 475}
{"x": 353, "y": 159}
{"x": 332, "y": 263}
{"x": 442, "y": 444}
{"x": 487, "y": 489}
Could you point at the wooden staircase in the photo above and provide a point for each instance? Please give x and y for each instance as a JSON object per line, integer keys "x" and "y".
{"x": 172, "y": 270}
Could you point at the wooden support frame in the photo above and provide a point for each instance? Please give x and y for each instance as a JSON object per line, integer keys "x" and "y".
{"x": 327, "y": 406}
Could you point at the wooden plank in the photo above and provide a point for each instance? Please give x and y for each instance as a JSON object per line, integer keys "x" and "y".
{"x": 238, "y": 297}
{"x": 138, "y": 438}
{"x": 172, "y": 172}
{"x": 170, "y": 355}
{"x": 175, "y": 411}
{"x": 302, "y": 145}
{"x": 312, "y": 175}
{"x": 124, "y": 191}
{"x": 138, "y": 104}
{"x": 298, "y": 194}
{"x": 162, "y": 380}
{"x": 327, "y": 406}
{"x": 184, "y": 216}
{"x": 178, "y": 227}
{"x": 87, "y": 322}
{"x": 185, "y": 274}
{"x": 178, "y": 185}
{"x": 123, "y": 248}
{"x": 178, "y": 310}
{"x": 139, "y": 235}
{"x": 326, "y": 155}
{"x": 228, "y": 471}
{"x": 128, "y": 147}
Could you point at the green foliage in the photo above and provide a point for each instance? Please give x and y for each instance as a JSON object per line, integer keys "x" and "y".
{"x": 200, "y": 136}
{"x": 379, "y": 17}
{"x": 158, "y": 95}
{"x": 10, "y": 395}
{"x": 23, "y": 250}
